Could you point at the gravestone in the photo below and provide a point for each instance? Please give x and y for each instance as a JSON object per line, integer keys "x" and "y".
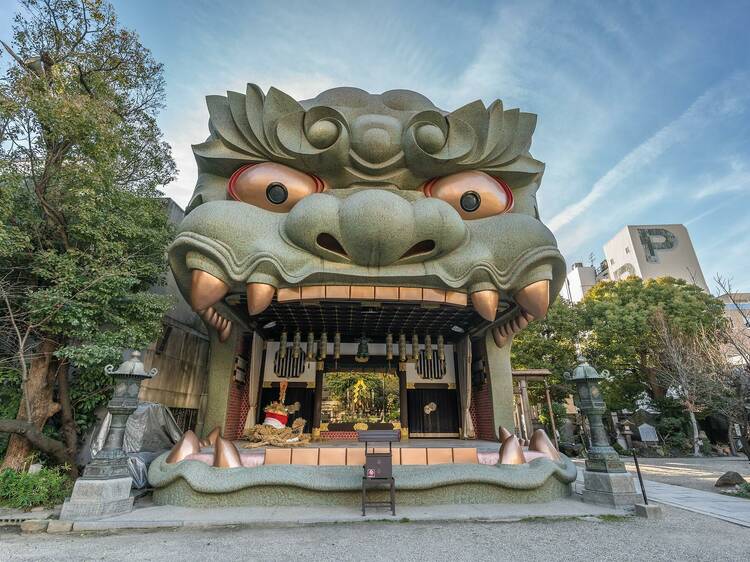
{"x": 648, "y": 433}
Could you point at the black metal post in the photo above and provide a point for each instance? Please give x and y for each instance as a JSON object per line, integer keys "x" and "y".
{"x": 640, "y": 478}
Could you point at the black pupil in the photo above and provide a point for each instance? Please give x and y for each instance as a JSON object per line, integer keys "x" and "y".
{"x": 276, "y": 193}
{"x": 470, "y": 201}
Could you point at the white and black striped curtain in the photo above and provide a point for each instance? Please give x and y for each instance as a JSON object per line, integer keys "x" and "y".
{"x": 289, "y": 367}
{"x": 434, "y": 369}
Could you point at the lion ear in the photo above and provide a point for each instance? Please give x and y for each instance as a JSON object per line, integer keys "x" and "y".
{"x": 277, "y": 106}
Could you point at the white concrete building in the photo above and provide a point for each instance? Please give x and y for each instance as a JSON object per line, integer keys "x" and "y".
{"x": 651, "y": 251}
{"x": 578, "y": 282}
{"x": 647, "y": 251}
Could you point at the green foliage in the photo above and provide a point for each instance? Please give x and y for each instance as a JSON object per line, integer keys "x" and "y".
{"x": 674, "y": 431}
{"x": 10, "y": 398}
{"x": 559, "y": 411}
{"x": 617, "y": 319}
{"x": 549, "y": 344}
{"x": 84, "y": 230}
{"x": 355, "y": 390}
{"x": 743, "y": 491}
{"x": 22, "y": 490}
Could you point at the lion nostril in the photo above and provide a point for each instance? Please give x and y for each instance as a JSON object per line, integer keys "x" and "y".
{"x": 329, "y": 242}
{"x": 423, "y": 247}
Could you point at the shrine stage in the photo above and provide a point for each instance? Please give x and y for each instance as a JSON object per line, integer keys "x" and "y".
{"x": 427, "y": 472}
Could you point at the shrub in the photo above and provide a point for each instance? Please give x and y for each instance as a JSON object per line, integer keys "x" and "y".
{"x": 23, "y": 490}
{"x": 743, "y": 490}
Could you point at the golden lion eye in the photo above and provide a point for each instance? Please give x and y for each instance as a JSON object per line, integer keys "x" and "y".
{"x": 272, "y": 186}
{"x": 475, "y": 195}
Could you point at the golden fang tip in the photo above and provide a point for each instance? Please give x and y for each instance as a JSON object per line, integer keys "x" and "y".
{"x": 534, "y": 298}
{"x": 485, "y": 303}
{"x": 187, "y": 445}
{"x": 259, "y": 296}
{"x": 542, "y": 444}
{"x": 503, "y": 433}
{"x": 206, "y": 290}
{"x": 511, "y": 452}
{"x": 226, "y": 454}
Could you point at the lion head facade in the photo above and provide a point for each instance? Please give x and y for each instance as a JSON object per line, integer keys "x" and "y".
{"x": 331, "y": 197}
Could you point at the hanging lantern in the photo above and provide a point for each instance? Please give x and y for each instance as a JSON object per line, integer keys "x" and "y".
{"x": 389, "y": 347}
{"x": 363, "y": 351}
{"x": 337, "y": 346}
{"x": 428, "y": 347}
{"x": 296, "y": 344}
{"x": 310, "y": 346}
{"x": 414, "y": 347}
{"x": 441, "y": 348}
{"x": 282, "y": 345}
{"x": 323, "y": 345}
{"x": 402, "y": 348}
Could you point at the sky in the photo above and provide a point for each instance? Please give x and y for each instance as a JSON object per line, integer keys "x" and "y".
{"x": 643, "y": 107}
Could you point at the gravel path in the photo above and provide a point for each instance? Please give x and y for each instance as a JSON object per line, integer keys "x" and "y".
{"x": 698, "y": 473}
{"x": 679, "y": 536}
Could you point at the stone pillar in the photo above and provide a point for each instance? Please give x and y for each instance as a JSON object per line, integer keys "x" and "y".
{"x": 500, "y": 380}
{"x": 403, "y": 406}
{"x": 220, "y": 372}
{"x": 317, "y": 402}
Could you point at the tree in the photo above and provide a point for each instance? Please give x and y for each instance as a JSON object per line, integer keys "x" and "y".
{"x": 685, "y": 364}
{"x": 619, "y": 333}
{"x": 550, "y": 343}
{"x": 734, "y": 363}
{"x": 81, "y": 160}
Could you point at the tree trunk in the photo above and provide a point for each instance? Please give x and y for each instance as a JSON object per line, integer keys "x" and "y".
{"x": 69, "y": 429}
{"x": 54, "y": 448}
{"x": 39, "y": 390}
{"x": 696, "y": 439}
{"x": 730, "y": 437}
{"x": 657, "y": 391}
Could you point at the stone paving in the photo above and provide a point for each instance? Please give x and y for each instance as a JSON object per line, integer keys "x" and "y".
{"x": 153, "y": 517}
{"x": 720, "y": 506}
{"x": 728, "y": 508}
{"x": 680, "y": 535}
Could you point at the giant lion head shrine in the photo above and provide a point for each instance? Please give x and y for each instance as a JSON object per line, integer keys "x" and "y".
{"x": 362, "y": 231}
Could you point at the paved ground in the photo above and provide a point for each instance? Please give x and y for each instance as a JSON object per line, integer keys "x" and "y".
{"x": 680, "y": 536}
{"x": 148, "y": 516}
{"x": 734, "y": 510}
{"x": 698, "y": 473}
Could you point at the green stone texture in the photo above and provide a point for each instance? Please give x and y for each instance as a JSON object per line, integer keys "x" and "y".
{"x": 193, "y": 483}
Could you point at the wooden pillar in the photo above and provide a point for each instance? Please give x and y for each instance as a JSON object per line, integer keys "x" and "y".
{"x": 403, "y": 407}
{"x": 318, "y": 401}
{"x": 529, "y": 426}
{"x": 551, "y": 415}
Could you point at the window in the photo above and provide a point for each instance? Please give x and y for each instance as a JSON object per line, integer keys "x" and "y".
{"x": 627, "y": 249}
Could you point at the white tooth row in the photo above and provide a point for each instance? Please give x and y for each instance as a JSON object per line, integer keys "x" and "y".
{"x": 502, "y": 333}
{"x": 222, "y": 325}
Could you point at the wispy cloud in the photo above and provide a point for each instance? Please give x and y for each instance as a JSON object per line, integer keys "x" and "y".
{"x": 737, "y": 179}
{"x": 726, "y": 98}
{"x": 587, "y": 230}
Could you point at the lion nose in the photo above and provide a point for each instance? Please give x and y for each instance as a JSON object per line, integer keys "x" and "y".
{"x": 377, "y": 227}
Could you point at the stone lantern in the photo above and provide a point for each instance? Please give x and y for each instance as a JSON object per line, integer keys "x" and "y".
{"x": 111, "y": 461}
{"x": 104, "y": 488}
{"x": 605, "y": 479}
